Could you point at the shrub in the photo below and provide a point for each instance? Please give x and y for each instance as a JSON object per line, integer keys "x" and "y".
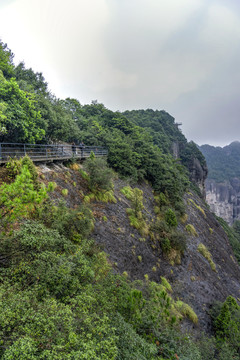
{"x": 65, "y": 192}
{"x": 171, "y": 218}
{"x": 130, "y": 345}
{"x": 198, "y": 207}
{"x": 166, "y": 284}
{"x": 178, "y": 241}
{"x": 31, "y": 167}
{"x": 74, "y": 166}
{"x": 186, "y": 310}
{"x": 135, "y": 196}
{"x": 227, "y": 323}
{"x": 191, "y": 230}
{"x": 73, "y": 223}
{"x": 127, "y": 191}
{"x": 20, "y": 198}
{"x": 165, "y": 245}
{"x": 14, "y": 166}
{"x": 100, "y": 175}
{"x": 205, "y": 252}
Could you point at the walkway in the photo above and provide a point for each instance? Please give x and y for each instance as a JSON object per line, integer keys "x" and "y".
{"x": 48, "y": 153}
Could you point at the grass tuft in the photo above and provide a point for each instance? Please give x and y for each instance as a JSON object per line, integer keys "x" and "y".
{"x": 206, "y": 253}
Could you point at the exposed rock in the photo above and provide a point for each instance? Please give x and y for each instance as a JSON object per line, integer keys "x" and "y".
{"x": 224, "y": 199}
{"x": 198, "y": 175}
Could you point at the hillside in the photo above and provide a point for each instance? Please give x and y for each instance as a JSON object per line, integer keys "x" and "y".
{"x": 139, "y": 252}
{"x": 115, "y": 258}
{"x": 223, "y": 163}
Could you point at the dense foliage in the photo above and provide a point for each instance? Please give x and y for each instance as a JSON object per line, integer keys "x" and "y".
{"x": 223, "y": 163}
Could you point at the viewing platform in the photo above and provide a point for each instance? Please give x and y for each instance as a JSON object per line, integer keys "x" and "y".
{"x": 48, "y": 153}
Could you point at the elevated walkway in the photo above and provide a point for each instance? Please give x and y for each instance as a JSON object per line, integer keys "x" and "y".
{"x": 48, "y": 153}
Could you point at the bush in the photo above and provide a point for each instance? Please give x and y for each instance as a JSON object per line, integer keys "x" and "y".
{"x": 178, "y": 241}
{"x": 135, "y": 196}
{"x": 75, "y": 224}
{"x": 165, "y": 245}
{"x": 191, "y": 230}
{"x": 130, "y": 345}
{"x": 20, "y": 199}
{"x": 205, "y": 252}
{"x": 227, "y": 323}
{"x": 14, "y": 166}
{"x": 100, "y": 175}
{"x": 65, "y": 192}
{"x": 171, "y": 218}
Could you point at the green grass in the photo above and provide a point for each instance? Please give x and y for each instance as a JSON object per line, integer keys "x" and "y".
{"x": 191, "y": 230}
{"x": 206, "y": 253}
{"x": 198, "y": 207}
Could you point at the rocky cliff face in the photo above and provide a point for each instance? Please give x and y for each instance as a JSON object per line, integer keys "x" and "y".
{"x": 224, "y": 199}
{"x": 198, "y": 172}
{"x": 198, "y": 175}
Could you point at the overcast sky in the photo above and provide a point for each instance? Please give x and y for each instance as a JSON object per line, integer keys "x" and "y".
{"x": 182, "y": 56}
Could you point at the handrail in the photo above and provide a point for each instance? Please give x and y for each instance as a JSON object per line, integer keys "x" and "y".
{"x": 48, "y": 152}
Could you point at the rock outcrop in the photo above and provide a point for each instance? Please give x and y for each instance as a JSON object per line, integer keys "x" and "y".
{"x": 198, "y": 175}
{"x": 224, "y": 199}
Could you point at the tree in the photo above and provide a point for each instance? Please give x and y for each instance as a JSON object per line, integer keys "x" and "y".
{"x": 6, "y": 61}
{"x": 100, "y": 175}
{"x": 20, "y": 198}
{"x": 18, "y": 114}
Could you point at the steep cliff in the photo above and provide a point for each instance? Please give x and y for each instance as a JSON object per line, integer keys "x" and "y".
{"x": 223, "y": 183}
{"x": 224, "y": 199}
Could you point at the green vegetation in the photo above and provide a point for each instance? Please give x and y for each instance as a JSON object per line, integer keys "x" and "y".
{"x": 226, "y": 319}
{"x": 223, "y": 163}
{"x": 170, "y": 218}
{"x": 135, "y": 214}
{"x": 65, "y": 192}
{"x": 59, "y": 298}
{"x": 191, "y": 230}
{"x": 197, "y": 207}
{"x": 22, "y": 197}
{"x": 99, "y": 177}
{"x": 205, "y": 252}
{"x": 233, "y": 234}
{"x": 169, "y": 239}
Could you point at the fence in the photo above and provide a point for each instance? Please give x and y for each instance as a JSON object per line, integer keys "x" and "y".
{"x": 48, "y": 153}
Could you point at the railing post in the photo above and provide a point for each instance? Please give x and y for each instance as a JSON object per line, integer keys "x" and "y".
{"x": 0, "y": 151}
{"x": 24, "y": 146}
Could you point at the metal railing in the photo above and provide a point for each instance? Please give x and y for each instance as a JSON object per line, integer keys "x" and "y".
{"x": 48, "y": 152}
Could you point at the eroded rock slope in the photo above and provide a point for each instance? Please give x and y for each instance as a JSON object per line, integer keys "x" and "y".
{"x": 198, "y": 278}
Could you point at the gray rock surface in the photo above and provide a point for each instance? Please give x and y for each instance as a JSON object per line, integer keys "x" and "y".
{"x": 224, "y": 199}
